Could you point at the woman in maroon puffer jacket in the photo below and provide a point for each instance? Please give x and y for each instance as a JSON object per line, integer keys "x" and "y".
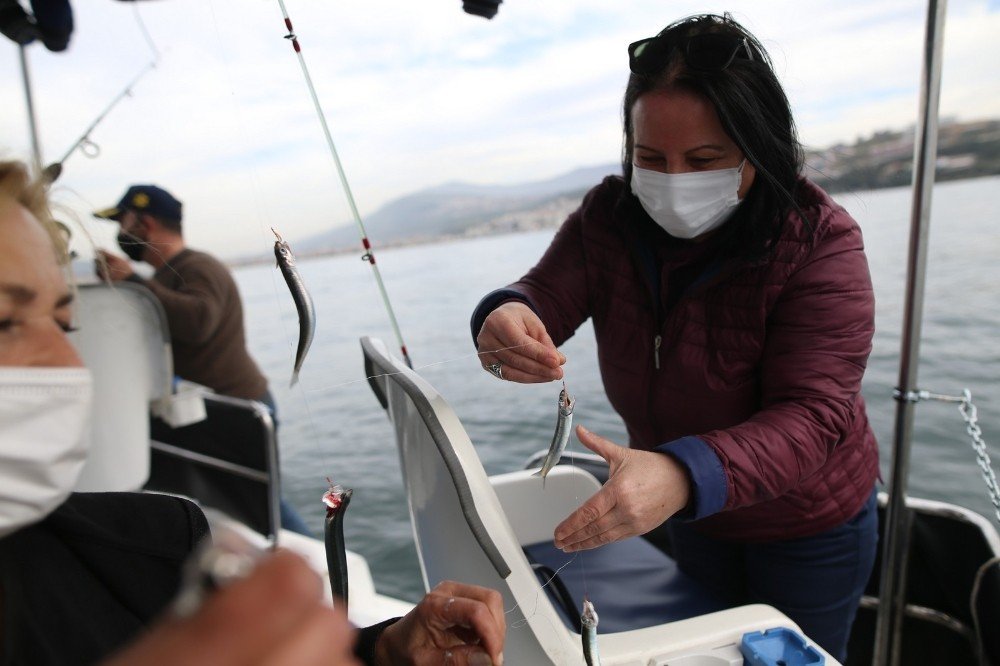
{"x": 733, "y": 310}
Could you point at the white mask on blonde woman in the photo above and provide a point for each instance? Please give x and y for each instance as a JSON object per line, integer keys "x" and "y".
{"x": 44, "y": 418}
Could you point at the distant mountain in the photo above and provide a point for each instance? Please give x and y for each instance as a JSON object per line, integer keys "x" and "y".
{"x": 573, "y": 180}
{"x": 453, "y": 208}
{"x": 460, "y": 209}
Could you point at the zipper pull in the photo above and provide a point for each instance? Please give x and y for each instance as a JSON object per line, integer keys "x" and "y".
{"x": 656, "y": 351}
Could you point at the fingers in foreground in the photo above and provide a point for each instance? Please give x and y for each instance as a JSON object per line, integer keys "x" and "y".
{"x": 325, "y": 638}
{"x": 249, "y": 617}
{"x": 237, "y": 624}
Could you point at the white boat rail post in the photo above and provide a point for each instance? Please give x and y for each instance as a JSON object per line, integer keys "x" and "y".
{"x": 36, "y": 149}
{"x": 891, "y": 606}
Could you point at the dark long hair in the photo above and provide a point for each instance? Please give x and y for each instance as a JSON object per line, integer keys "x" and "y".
{"x": 754, "y": 112}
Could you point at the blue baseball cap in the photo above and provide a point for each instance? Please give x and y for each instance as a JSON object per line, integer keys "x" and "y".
{"x": 144, "y": 199}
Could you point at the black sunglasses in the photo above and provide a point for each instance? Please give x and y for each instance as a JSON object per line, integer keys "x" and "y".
{"x": 708, "y": 52}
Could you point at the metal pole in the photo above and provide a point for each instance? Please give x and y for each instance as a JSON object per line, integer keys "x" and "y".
{"x": 36, "y": 150}
{"x": 891, "y": 607}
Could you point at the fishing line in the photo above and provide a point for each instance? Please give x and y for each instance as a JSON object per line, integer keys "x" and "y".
{"x": 369, "y": 256}
{"x": 534, "y": 609}
{"x": 422, "y": 367}
{"x": 369, "y": 250}
{"x": 265, "y": 220}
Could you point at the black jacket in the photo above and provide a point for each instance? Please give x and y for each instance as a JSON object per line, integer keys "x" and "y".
{"x": 85, "y": 581}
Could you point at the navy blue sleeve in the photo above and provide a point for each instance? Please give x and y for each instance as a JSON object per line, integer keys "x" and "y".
{"x": 491, "y": 302}
{"x": 364, "y": 647}
{"x": 709, "y": 490}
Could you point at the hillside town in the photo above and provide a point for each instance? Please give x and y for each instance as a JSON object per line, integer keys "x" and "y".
{"x": 885, "y": 159}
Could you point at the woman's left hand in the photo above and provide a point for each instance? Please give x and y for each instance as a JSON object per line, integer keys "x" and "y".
{"x": 644, "y": 488}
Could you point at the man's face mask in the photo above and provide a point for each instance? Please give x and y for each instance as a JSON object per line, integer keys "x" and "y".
{"x": 132, "y": 244}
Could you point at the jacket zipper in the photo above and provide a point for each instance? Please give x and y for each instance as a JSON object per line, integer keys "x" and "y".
{"x": 649, "y": 268}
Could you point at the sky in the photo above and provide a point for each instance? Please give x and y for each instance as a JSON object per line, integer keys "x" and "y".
{"x": 418, "y": 93}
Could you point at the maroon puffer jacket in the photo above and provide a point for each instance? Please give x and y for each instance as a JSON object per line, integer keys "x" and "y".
{"x": 763, "y": 363}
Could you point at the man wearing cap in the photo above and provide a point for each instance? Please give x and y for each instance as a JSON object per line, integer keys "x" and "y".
{"x": 198, "y": 294}
{"x": 196, "y": 290}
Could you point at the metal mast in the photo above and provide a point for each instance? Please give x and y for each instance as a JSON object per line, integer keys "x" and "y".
{"x": 891, "y": 606}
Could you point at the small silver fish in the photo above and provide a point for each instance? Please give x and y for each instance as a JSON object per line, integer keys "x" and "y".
{"x": 303, "y": 301}
{"x": 588, "y": 620}
{"x": 564, "y": 424}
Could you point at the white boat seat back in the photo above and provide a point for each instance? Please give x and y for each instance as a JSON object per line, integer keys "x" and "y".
{"x": 460, "y": 529}
{"x": 123, "y": 338}
{"x": 633, "y": 583}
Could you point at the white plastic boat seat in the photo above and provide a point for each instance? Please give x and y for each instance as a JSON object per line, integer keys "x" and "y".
{"x": 462, "y": 533}
{"x": 632, "y": 584}
{"x": 123, "y": 338}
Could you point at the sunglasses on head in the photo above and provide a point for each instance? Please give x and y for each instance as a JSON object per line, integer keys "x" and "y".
{"x": 709, "y": 52}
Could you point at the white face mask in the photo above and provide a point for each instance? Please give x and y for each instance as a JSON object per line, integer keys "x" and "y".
{"x": 44, "y": 416}
{"x": 688, "y": 205}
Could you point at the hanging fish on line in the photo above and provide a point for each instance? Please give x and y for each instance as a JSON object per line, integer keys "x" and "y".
{"x": 303, "y": 301}
{"x": 588, "y": 621}
{"x": 564, "y": 424}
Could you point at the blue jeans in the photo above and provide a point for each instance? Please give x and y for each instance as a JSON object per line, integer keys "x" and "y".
{"x": 817, "y": 581}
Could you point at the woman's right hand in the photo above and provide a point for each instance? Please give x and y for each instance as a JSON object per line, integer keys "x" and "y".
{"x": 515, "y": 337}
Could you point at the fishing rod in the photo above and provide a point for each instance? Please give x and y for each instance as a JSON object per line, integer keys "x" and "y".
{"x": 36, "y": 150}
{"x": 369, "y": 254}
{"x": 84, "y": 143}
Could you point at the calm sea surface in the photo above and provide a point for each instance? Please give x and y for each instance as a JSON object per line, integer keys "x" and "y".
{"x": 331, "y": 424}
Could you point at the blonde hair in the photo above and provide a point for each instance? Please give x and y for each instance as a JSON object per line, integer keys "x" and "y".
{"x": 17, "y": 184}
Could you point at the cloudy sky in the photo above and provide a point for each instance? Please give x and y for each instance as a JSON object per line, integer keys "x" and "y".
{"x": 418, "y": 93}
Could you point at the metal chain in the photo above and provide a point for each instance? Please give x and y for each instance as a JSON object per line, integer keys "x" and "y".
{"x": 969, "y": 413}
{"x": 968, "y": 410}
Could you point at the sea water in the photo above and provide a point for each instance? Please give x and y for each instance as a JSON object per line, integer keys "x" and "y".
{"x": 332, "y": 426}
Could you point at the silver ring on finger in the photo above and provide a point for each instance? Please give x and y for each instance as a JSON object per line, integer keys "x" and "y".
{"x": 495, "y": 369}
